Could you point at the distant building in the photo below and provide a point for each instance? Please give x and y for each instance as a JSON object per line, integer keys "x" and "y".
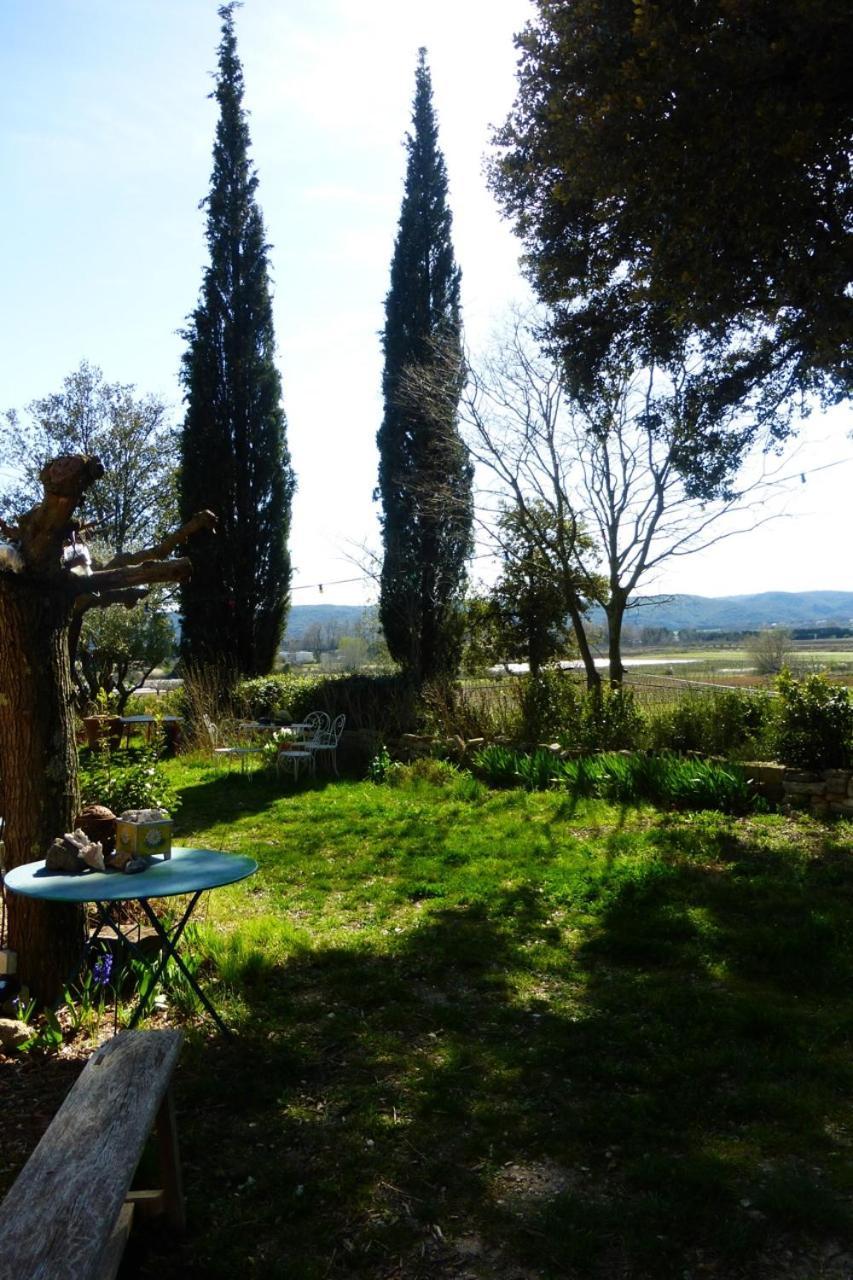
{"x": 298, "y": 657}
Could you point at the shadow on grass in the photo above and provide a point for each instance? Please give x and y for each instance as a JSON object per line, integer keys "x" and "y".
{"x": 428, "y": 1112}
{"x": 226, "y": 795}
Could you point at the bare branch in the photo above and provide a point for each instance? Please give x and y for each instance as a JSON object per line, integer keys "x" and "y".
{"x": 128, "y": 596}
{"x": 202, "y": 520}
{"x": 110, "y": 580}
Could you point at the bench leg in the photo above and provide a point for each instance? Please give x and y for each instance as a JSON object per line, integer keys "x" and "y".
{"x": 110, "y": 1259}
{"x": 170, "y": 1163}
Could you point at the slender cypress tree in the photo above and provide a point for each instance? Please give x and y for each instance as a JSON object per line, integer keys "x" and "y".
{"x": 424, "y": 470}
{"x": 234, "y": 457}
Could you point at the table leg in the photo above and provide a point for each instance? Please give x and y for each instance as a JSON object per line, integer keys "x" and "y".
{"x": 170, "y": 950}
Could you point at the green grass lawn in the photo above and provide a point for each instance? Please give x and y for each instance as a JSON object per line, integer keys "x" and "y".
{"x": 500, "y": 1034}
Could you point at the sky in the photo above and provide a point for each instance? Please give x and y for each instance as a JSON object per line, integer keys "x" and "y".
{"x": 105, "y": 153}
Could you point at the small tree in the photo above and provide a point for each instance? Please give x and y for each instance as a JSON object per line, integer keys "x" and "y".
{"x": 529, "y": 598}
{"x": 624, "y": 462}
{"x": 118, "y": 649}
{"x": 769, "y": 650}
{"x": 424, "y": 470}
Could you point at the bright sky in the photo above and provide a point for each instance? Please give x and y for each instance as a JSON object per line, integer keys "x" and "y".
{"x": 105, "y": 152}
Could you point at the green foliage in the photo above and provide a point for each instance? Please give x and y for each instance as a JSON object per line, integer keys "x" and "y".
{"x": 134, "y": 501}
{"x": 550, "y": 701}
{"x": 665, "y": 779}
{"x": 126, "y": 779}
{"x": 377, "y": 769}
{"x": 815, "y": 726}
{"x": 606, "y": 720}
{"x": 119, "y": 648}
{"x": 382, "y": 703}
{"x": 234, "y": 457}
{"x": 530, "y": 598}
{"x": 722, "y": 722}
{"x": 285, "y": 697}
{"x": 424, "y": 470}
{"x": 498, "y": 764}
{"x": 48, "y": 1037}
{"x": 427, "y": 770}
{"x": 634, "y": 106}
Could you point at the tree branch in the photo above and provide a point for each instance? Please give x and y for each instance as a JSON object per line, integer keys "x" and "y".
{"x": 44, "y": 527}
{"x": 202, "y": 520}
{"x": 128, "y": 596}
{"x": 131, "y": 575}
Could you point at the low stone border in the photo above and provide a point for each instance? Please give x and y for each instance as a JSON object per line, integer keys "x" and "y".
{"x": 829, "y": 791}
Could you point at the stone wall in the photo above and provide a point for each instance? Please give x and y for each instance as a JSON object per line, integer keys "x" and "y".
{"x": 824, "y": 793}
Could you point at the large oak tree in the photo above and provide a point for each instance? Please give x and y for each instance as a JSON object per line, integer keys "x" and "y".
{"x": 681, "y": 172}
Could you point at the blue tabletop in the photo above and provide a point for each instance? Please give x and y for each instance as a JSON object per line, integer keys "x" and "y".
{"x": 187, "y": 871}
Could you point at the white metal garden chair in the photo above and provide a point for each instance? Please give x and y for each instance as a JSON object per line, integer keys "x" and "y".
{"x": 326, "y": 742}
{"x": 314, "y": 721}
{"x": 297, "y": 753}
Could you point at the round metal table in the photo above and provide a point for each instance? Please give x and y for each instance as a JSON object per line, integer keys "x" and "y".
{"x": 188, "y": 871}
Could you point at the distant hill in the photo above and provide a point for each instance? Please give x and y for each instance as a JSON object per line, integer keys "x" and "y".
{"x": 743, "y": 613}
{"x": 676, "y": 612}
{"x": 302, "y": 616}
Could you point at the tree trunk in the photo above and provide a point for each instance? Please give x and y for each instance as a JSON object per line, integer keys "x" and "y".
{"x": 38, "y": 761}
{"x": 615, "y": 611}
{"x": 593, "y": 677}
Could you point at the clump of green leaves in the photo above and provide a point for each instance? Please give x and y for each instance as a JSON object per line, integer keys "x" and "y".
{"x": 377, "y": 769}
{"x": 721, "y": 722}
{"x": 127, "y": 779}
{"x": 815, "y": 728}
{"x": 629, "y": 778}
{"x": 429, "y": 770}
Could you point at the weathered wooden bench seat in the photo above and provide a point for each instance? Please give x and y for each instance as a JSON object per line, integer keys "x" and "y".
{"x": 68, "y": 1215}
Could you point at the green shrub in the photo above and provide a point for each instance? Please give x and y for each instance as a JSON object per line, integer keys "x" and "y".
{"x": 815, "y": 725}
{"x": 498, "y": 765}
{"x": 427, "y": 769}
{"x": 126, "y": 779}
{"x": 605, "y": 720}
{"x": 286, "y": 696}
{"x": 382, "y": 703}
{"x": 720, "y": 722}
{"x": 549, "y": 701}
{"x": 377, "y": 769}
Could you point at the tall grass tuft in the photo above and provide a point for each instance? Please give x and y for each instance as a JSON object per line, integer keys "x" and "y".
{"x": 624, "y": 778}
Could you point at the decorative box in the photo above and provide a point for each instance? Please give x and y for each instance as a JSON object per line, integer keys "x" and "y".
{"x": 141, "y": 835}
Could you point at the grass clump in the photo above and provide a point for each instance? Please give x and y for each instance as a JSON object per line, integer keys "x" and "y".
{"x": 624, "y": 778}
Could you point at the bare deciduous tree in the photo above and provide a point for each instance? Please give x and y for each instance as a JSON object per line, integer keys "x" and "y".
{"x": 620, "y": 466}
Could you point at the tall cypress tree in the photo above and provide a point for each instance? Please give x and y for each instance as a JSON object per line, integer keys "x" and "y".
{"x": 424, "y": 470}
{"x": 234, "y": 457}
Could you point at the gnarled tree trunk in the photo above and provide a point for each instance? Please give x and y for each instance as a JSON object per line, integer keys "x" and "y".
{"x": 38, "y": 756}
{"x": 40, "y": 609}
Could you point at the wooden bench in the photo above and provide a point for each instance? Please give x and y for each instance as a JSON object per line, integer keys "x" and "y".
{"x": 69, "y": 1213}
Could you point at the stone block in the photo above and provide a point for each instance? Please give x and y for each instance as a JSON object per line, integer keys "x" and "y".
{"x": 804, "y": 788}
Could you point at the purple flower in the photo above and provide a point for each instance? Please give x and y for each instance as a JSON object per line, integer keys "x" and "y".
{"x": 102, "y": 969}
